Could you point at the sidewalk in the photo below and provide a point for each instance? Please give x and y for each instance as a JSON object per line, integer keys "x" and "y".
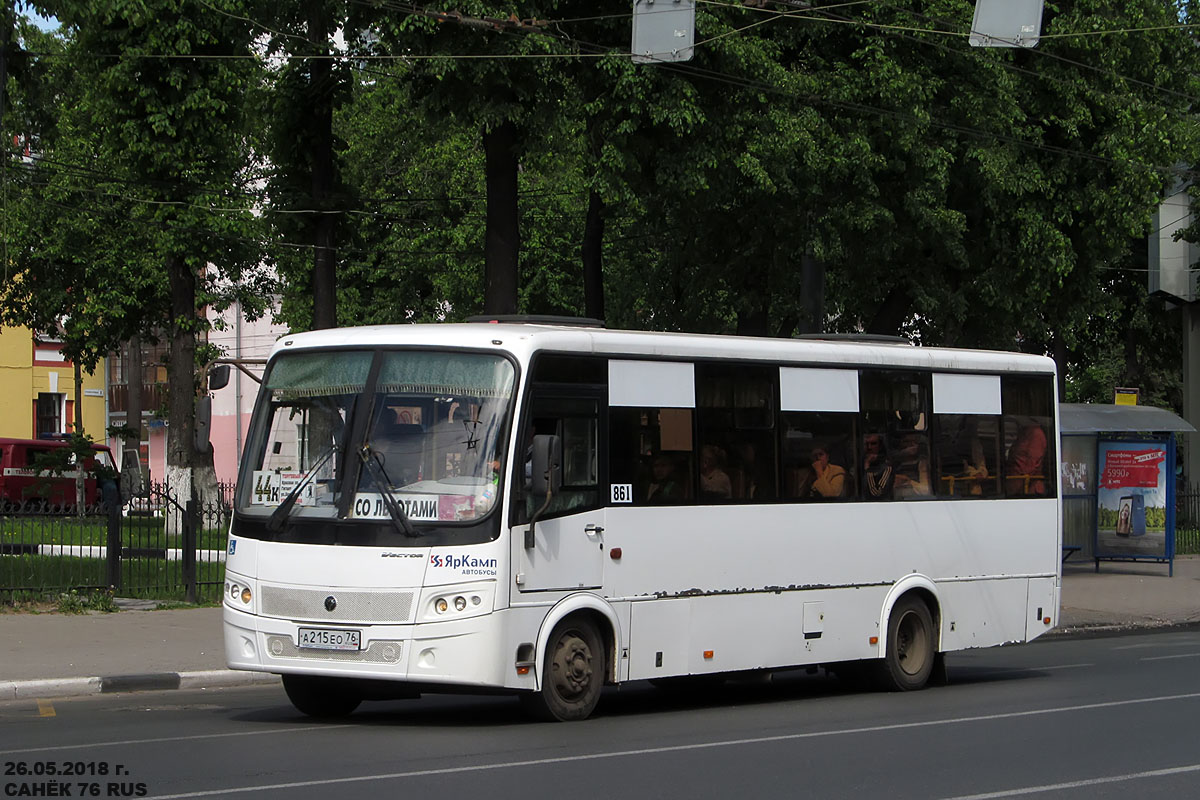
{"x": 56, "y": 655}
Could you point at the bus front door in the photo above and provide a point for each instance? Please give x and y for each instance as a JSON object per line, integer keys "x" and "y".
{"x": 567, "y": 553}
{"x": 567, "y": 549}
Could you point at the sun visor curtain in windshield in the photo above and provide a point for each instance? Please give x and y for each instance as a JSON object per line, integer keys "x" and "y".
{"x": 441, "y": 373}
{"x": 319, "y": 373}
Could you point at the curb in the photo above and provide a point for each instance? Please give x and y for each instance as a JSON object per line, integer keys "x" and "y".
{"x": 1098, "y": 629}
{"x": 155, "y": 681}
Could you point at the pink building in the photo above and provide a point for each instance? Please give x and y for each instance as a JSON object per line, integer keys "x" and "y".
{"x": 231, "y": 406}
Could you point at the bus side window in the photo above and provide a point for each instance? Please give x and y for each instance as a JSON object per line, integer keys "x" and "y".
{"x": 966, "y": 454}
{"x": 817, "y": 453}
{"x": 896, "y": 403}
{"x": 1029, "y": 455}
{"x": 736, "y": 406}
{"x": 650, "y": 449}
{"x": 576, "y": 422}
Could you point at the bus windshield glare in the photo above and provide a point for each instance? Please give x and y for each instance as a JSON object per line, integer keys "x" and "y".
{"x": 365, "y": 435}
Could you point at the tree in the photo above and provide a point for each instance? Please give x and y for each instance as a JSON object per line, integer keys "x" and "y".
{"x": 162, "y": 88}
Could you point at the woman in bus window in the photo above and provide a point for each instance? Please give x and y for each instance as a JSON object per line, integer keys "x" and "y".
{"x": 714, "y": 482}
{"x": 829, "y": 479}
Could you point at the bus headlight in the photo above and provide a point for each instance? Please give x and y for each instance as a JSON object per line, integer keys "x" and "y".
{"x": 238, "y": 593}
{"x": 467, "y": 601}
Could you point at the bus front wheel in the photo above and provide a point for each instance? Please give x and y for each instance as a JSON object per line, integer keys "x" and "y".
{"x": 910, "y": 654}
{"x": 572, "y": 674}
{"x": 325, "y": 698}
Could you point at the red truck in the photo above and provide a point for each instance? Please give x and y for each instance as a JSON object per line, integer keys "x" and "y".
{"x": 21, "y": 480}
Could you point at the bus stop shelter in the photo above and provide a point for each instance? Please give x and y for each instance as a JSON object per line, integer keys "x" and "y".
{"x": 1118, "y": 482}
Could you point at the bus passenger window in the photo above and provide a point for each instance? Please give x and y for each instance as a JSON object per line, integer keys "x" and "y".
{"x": 736, "y": 424}
{"x": 817, "y": 454}
{"x": 1028, "y": 406}
{"x": 650, "y": 449}
{"x": 895, "y": 405}
{"x": 966, "y": 455}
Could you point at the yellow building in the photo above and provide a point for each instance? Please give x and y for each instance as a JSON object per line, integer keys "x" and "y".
{"x": 37, "y": 389}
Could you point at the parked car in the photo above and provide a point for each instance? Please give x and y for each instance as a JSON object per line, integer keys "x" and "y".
{"x": 25, "y": 478}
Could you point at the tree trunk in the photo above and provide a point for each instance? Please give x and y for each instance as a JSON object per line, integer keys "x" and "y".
{"x": 812, "y": 294}
{"x": 592, "y": 253}
{"x": 80, "y": 495}
{"x": 891, "y": 313}
{"x": 324, "y": 282}
{"x": 502, "y": 240}
{"x": 181, "y": 387}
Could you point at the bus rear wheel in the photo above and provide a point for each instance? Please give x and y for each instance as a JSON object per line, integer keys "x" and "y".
{"x": 910, "y": 654}
{"x": 572, "y": 674}
{"x": 325, "y": 698}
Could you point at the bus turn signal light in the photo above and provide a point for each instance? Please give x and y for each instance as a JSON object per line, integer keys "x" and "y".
{"x": 874, "y": 640}
{"x": 708, "y": 653}
{"x": 1046, "y": 620}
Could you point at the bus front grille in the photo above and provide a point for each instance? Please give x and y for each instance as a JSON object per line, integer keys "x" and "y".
{"x": 347, "y": 606}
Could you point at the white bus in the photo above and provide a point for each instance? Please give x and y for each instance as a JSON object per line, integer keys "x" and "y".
{"x": 544, "y": 509}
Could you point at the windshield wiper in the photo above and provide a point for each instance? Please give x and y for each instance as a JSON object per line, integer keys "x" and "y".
{"x": 284, "y": 510}
{"x": 395, "y": 508}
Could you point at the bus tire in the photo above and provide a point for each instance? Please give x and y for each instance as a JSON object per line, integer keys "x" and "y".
{"x": 572, "y": 673}
{"x": 910, "y": 654}
{"x": 324, "y": 698}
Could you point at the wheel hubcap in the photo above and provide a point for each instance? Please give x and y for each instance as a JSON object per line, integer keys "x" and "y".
{"x": 911, "y": 644}
{"x": 572, "y": 666}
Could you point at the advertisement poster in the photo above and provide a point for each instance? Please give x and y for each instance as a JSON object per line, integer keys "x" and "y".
{"x": 1131, "y": 497}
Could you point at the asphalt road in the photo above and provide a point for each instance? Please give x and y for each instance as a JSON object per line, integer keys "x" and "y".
{"x": 1083, "y": 718}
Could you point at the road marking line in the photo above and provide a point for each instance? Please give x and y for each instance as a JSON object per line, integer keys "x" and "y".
{"x": 1155, "y": 645}
{"x": 125, "y": 742}
{"x": 420, "y": 773}
{"x": 45, "y": 708}
{"x": 1164, "y": 658}
{"x": 1058, "y": 787}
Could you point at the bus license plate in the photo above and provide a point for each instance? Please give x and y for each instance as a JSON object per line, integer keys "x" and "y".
{"x": 327, "y": 639}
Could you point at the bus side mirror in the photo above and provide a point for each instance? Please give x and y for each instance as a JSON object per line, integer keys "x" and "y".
{"x": 218, "y": 377}
{"x": 546, "y": 473}
{"x": 545, "y": 477}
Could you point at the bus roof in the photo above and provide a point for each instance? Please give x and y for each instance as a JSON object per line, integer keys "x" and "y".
{"x": 524, "y": 339}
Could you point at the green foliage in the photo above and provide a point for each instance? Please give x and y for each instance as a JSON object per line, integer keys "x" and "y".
{"x": 76, "y": 602}
{"x": 976, "y": 197}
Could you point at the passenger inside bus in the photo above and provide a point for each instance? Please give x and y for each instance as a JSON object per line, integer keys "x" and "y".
{"x": 878, "y": 474}
{"x": 911, "y": 477}
{"x": 1023, "y": 471}
{"x": 665, "y": 485}
{"x": 399, "y": 446}
{"x": 714, "y": 481}
{"x": 829, "y": 480}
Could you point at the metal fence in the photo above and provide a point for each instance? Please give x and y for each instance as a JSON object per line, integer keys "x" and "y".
{"x": 1187, "y": 520}
{"x": 156, "y": 546}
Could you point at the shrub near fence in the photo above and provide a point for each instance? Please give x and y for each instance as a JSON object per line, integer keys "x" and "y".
{"x": 140, "y": 549}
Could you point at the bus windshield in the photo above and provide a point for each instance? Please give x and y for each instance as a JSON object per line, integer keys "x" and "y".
{"x": 413, "y": 436}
